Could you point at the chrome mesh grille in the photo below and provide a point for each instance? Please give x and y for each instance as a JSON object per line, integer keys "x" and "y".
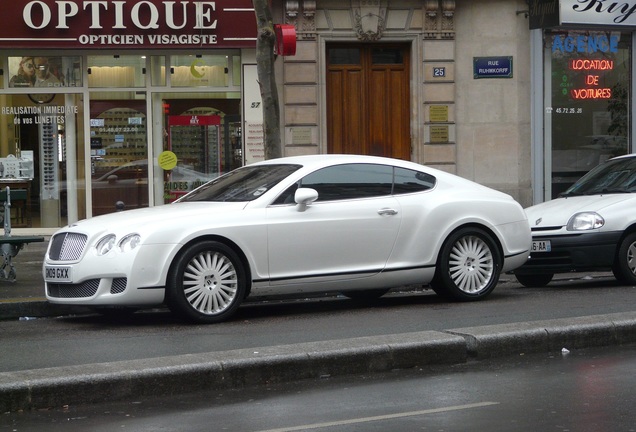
{"x": 85, "y": 289}
{"x": 67, "y": 246}
{"x": 118, "y": 286}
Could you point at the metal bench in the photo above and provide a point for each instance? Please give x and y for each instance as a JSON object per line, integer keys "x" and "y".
{"x": 10, "y": 245}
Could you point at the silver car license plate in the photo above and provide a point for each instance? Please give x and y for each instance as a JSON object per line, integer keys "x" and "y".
{"x": 541, "y": 246}
{"x": 57, "y": 274}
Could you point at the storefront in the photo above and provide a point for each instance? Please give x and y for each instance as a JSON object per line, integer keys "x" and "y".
{"x": 583, "y": 80}
{"x": 119, "y": 105}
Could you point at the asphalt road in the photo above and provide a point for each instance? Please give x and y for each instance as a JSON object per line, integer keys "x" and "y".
{"x": 83, "y": 358}
{"x": 77, "y": 340}
{"x": 583, "y": 390}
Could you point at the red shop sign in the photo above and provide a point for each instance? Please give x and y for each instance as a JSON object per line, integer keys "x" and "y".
{"x": 148, "y": 24}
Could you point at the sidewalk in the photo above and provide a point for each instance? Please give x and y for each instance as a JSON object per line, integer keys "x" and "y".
{"x": 25, "y": 297}
{"x": 186, "y": 373}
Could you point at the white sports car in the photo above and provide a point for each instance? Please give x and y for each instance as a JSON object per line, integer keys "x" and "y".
{"x": 357, "y": 225}
{"x": 590, "y": 227}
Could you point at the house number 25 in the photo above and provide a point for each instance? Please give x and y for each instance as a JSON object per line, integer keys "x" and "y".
{"x": 439, "y": 72}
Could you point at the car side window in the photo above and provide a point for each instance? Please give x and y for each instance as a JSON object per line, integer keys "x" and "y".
{"x": 287, "y": 197}
{"x": 350, "y": 181}
{"x": 409, "y": 181}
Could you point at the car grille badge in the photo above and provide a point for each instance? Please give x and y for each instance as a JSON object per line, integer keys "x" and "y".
{"x": 538, "y": 221}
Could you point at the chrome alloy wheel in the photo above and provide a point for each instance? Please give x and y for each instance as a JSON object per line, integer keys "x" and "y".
{"x": 210, "y": 282}
{"x": 471, "y": 264}
{"x": 631, "y": 258}
{"x": 468, "y": 265}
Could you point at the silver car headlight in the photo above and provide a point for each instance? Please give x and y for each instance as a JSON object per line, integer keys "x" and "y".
{"x": 585, "y": 221}
{"x": 105, "y": 244}
{"x": 129, "y": 242}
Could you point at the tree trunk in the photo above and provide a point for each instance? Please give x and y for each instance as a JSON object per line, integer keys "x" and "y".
{"x": 267, "y": 79}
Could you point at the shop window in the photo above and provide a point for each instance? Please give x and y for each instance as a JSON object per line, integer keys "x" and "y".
{"x": 588, "y": 106}
{"x": 236, "y": 71}
{"x": 116, "y": 71}
{"x": 199, "y": 71}
{"x": 38, "y": 160}
{"x": 203, "y": 135}
{"x": 119, "y": 155}
{"x": 158, "y": 71}
{"x": 44, "y": 71}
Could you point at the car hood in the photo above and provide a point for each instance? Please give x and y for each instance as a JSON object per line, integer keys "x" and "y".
{"x": 145, "y": 218}
{"x": 558, "y": 211}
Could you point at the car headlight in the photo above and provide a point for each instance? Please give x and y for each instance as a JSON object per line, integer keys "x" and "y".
{"x": 129, "y": 242}
{"x": 585, "y": 221}
{"x": 105, "y": 244}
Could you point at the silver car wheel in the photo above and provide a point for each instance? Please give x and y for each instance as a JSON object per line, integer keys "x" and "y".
{"x": 471, "y": 264}
{"x": 210, "y": 282}
{"x": 624, "y": 267}
{"x": 631, "y": 258}
{"x": 207, "y": 282}
{"x": 468, "y": 265}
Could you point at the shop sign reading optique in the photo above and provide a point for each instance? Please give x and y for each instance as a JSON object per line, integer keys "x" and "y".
{"x": 151, "y": 24}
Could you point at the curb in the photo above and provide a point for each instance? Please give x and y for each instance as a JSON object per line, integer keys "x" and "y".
{"x": 164, "y": 376}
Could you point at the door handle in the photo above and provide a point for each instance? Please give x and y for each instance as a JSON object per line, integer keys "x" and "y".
{"x": 387, "y": 212}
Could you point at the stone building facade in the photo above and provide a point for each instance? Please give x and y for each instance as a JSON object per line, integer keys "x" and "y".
{"x": 478, "y": 128}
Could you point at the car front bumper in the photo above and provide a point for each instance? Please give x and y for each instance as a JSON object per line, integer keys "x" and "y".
{"x": 573, "y": 252}
{"x": 117, "y": 279}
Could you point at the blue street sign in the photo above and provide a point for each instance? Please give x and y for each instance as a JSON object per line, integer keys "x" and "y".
{"x": 492, "y": 67}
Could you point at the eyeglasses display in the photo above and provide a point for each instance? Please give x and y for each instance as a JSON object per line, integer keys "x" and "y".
{"x": 195, "y": 141}
{"x": 119, "y": 160}
{"x": 48, "y": 163}
{"x": 121, "y": 135}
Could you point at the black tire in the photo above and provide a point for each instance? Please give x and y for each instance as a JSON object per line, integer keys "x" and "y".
{"x": 534, "y": 280}
{"x": 207, "y": 283}
{"x": 468, "y": 266}
{"x": 624, "y": 268}
{"x": 366, "y": 295}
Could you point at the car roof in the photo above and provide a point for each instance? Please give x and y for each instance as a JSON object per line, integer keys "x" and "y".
{"x": 626, "y": 156}
{"x": 334, "y": 159}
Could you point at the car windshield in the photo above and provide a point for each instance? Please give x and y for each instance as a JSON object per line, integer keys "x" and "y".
{"x": 243, "y": 184}
{"x": 615, "y": 176}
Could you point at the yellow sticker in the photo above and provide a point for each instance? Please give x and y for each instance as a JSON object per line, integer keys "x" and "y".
{"x": 167, "y": 160}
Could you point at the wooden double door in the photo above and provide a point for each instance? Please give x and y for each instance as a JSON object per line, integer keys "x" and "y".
{"x": 368, "y": 109}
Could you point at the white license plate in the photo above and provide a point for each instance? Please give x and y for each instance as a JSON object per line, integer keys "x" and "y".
{"x": 57, "y": 274}
{"x": 541, "y": 246}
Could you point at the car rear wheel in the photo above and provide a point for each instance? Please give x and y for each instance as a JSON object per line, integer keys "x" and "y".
{"x": 625, "y": 266}
{"x": 207, "y": 283}
{"x": 534, "y": 280}
{"x": 468, "y": 267}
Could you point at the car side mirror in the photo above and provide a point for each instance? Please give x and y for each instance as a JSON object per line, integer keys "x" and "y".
{"x": 304, "y": 197}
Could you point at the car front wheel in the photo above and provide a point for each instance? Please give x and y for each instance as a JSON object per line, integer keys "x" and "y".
{"x": 468, "y": 267}
{"x": 625, "y": 266}
{"x": 207, "y": 283}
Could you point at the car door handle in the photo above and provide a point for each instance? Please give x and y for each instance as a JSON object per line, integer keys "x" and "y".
{"x": 387, "y": 212}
